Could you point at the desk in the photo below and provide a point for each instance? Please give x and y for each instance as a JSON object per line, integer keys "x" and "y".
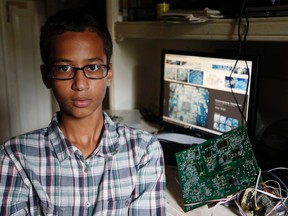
{"x": 174, "y": 200}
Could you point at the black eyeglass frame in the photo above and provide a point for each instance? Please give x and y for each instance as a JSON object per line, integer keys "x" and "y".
{"x": 75, "y": 69}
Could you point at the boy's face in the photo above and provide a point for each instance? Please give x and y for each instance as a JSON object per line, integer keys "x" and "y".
{"x": 79, "y": 97}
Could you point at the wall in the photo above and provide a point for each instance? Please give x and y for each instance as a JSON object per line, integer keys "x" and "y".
{"x": 145, "y": 55}
{"x": 25, "y": 101}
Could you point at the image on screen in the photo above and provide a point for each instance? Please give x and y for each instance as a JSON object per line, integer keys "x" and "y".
{"x": 205, "y": 92}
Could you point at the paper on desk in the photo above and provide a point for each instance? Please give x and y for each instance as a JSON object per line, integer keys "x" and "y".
{"x": 131, "y": 118}
{"x": 179, "y": 138}
{"x": 192, "y": 16}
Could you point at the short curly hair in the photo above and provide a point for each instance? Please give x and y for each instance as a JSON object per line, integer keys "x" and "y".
{"x": 77, "y": 20}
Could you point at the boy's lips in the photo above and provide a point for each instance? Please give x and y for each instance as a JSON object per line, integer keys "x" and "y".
{"x": 81, "y": 102}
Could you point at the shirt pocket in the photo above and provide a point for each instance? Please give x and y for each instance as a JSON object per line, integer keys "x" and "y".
{"x": 118, "y": 206}
{"x": 51, "y": 209}
{"x": 19, "y": 209}
{"x": 122, "y": 203}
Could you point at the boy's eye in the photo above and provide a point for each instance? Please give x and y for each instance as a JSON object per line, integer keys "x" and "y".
{"x": 65, "y": 68}
{"x": 92, "y": 68}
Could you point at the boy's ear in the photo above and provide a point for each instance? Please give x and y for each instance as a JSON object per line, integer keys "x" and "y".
{"x": 110, "y": 75}
{"x": 46, "y": 78}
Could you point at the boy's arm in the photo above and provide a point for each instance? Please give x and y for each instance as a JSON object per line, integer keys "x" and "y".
{"x": 151, "y": 190}
{"x": 13, "y": 192}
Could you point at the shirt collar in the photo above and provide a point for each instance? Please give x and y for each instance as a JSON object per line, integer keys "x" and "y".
{"x": 108, "y": 145}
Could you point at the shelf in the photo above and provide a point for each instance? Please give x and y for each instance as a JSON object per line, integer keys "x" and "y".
{"x": 260, "y": 29}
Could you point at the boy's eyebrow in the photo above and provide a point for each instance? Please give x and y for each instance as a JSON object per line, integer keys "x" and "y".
{"x": 95, "y": 59}
{"x": 61, "y": 60}
{"x": 58, "y": 60}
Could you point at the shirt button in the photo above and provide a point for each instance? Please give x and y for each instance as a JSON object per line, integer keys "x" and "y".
{"x": 127, "y": 203}
{"x": 47, "y": 210}
{"x": 86, "y": 170}
{"x": 87, "y": 204}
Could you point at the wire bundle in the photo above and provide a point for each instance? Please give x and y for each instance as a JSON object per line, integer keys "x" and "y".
{"x": 269, "y": 198}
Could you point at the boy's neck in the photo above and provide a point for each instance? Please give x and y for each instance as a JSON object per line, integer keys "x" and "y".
{"x": 84, "y": 133}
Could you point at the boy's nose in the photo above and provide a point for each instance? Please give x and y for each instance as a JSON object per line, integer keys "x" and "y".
{"x": 80, "y": 81}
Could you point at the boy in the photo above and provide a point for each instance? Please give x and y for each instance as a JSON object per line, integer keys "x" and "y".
{"x": 82, "y": 163}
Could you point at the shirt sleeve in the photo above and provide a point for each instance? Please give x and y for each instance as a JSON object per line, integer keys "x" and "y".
{"x": 13, "y": 192}
{"x": 150, "y": 191}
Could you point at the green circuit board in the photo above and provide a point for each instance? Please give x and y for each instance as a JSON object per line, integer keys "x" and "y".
{"x": 216, "y": 168}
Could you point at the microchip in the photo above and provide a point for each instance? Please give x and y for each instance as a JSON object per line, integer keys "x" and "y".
{"x": 234, "y": 181}
{"x": 222, "y": 144}
{"x": 208, "y": 154}
{"x": 237, "y": 157}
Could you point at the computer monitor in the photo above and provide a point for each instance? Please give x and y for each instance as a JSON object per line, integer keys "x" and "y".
{"x": 207, "y": 94}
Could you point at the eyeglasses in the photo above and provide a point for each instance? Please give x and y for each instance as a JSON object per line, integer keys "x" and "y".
{"x": 67, "y": 72}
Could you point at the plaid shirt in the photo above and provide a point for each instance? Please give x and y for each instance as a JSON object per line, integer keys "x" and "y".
{"x": 42, "y": 173}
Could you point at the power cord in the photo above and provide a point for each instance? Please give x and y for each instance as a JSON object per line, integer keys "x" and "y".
{"x": 241, "y": 52}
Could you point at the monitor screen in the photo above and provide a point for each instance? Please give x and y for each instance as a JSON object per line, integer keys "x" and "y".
{"x": 207, "y": 94}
